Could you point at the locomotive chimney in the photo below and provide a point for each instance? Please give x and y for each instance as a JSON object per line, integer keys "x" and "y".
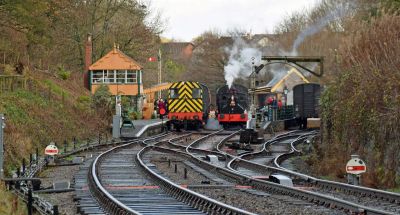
{"x": 88, "y": 60}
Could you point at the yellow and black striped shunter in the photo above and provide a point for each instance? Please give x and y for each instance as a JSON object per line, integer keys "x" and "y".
{"x": 187, "y": 104}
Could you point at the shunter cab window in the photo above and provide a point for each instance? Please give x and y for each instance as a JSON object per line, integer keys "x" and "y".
{"x": 173, "y": 93}
{"x": 196, "y": 93}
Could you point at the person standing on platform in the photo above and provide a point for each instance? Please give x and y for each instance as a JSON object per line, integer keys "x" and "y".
{"x": 274, "y": 109}
{"x": 279, "y": 104}
{"x": 161, "y": 105}
{"x": 166, "y": 106}
{"x": 268, "y": 101}
{"x": 155, "y": 107}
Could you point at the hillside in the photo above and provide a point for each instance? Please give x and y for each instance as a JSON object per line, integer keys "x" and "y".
{"x": 48, "y": 109}
{"x": 45, "y": 109}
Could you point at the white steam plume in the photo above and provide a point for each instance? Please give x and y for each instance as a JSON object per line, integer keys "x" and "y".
{"x": 240, "y": 60}
{"x": 339, "y": 11}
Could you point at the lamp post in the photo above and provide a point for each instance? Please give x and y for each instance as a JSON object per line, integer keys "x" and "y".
{"x": 285, "y": 92}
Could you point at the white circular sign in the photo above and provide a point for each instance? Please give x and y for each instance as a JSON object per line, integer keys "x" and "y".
{"x": 51, "y": 150}
{"x": 356, "y": 166}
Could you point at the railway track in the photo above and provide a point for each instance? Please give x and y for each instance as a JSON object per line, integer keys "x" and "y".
{"x": 383, "y": 200}
{"x": 118, "y": 186}
{"x": 117, "y": 183}
{"x": 367, "y": 200}
{"x": 219, "y": 177}
{"x": 121, "y": 188}
{"x": 314, "y": 197}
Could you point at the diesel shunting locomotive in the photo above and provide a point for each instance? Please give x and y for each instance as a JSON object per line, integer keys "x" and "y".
{"x": 187, "y": 105}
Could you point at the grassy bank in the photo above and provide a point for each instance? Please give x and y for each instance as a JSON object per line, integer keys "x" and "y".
{"x": 48, "y": 109}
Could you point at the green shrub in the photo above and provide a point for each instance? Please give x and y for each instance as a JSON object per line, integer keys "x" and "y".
{"x": 102, "y": 96}
{"x": 83, "y": 102}
{"x": 63, "y": 73}
{"x": 135, "y": 115}
{"x": 55, "y": 88}
{"x": 83, "y": 99}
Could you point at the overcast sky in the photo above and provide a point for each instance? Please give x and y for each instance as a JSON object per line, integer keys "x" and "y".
{"x": 187, "y": 19}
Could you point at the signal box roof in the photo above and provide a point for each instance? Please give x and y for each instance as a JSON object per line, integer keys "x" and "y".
{"x": 115, "y": 59}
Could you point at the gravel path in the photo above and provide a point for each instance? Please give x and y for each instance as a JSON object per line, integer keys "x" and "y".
{"x": 65, "y": 201}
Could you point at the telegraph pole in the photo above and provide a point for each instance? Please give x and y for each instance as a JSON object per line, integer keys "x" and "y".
{"x": 2, "y": 125}
{"x": 251, "y": 123}
{"x": 159, "y": 71}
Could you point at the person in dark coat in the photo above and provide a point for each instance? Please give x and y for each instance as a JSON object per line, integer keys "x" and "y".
{"x": 274, "y": 109}
{"x": 166, "y": 106}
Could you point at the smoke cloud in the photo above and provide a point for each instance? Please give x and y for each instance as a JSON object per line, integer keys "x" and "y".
{"x": 240, "y": 60}
{"x": 339, "y": 11}
{"x": 241, "y": 54}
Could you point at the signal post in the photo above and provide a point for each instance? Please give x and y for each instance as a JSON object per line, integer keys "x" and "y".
{"x": 354, "y": 168}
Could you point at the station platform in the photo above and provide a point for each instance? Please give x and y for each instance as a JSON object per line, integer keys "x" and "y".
{"x": 140, "y": 126}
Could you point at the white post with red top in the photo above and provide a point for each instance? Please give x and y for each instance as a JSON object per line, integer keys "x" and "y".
{"x": 354, "y": 167}
{"x": 50, "y": 151}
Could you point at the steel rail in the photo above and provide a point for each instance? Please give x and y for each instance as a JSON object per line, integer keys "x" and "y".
{"x": 191, "y": 146}
{"x": 293, "y": 151}
{"x": 273, "y": 187}
{"x": 109, "y": 202}
{"x": 192, "y": 198}
{"x": 235, "y": 160}
{"x": 333, "y": 185}
{"x": 40, "y": 204}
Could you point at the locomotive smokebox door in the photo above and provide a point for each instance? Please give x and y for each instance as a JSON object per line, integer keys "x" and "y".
{"x": 249, "y": 136}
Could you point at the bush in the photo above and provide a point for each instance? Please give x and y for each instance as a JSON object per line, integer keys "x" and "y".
{"x": 63, "y": 73}
{"x": 135, "y": 115}
{"x": 55, "y": 88}
{"x": 361, "y": 108}
{"x": 102, "y": 96}
{"x": 83, "y": 102}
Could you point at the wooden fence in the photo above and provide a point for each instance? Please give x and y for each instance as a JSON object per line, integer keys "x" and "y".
{"x": 12, "y": 82}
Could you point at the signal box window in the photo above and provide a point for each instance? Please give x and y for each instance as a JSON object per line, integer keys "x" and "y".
{"x": 173, "y": 93}
{"x": 196, "y": 93}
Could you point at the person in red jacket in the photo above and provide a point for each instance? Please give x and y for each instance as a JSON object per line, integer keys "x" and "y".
{"x": 269, "y": 101}
{"x": 279, "y": 104}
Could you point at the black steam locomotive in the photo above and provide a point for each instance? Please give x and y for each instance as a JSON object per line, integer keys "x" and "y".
{"x": 232, "y": 104}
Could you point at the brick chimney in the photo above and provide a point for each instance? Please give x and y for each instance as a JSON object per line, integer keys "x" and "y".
{"x": 88, "y": 60}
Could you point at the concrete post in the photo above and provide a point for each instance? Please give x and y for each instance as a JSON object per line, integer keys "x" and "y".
{"x": 2, "y": 125}
{"x": 116, "y": 131}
